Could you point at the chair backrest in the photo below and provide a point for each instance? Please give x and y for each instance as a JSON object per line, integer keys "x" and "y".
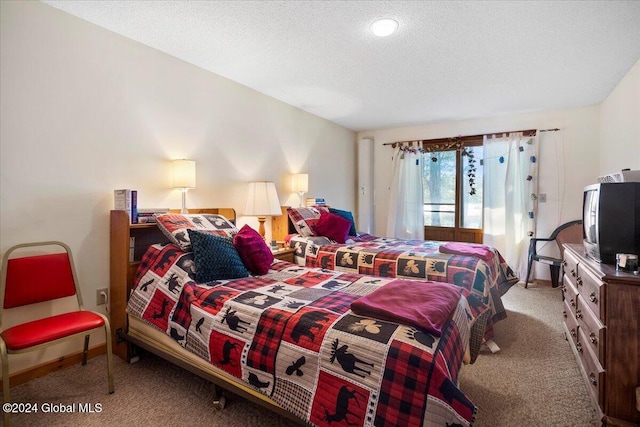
{"x": 571, "y": 232}
{"x": 37, "y": 278}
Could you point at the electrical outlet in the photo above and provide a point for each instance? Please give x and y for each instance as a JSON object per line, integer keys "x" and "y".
{"x": 101, "y": 296}
{"x": 543, "y": 198}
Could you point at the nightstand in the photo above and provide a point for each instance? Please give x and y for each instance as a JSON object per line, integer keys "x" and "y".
{"x": 284, "y": 254}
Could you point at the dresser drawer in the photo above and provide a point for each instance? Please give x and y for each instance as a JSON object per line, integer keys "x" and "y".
{"x": 592, "y": 290}
{"x": 570, "y": 265}
{"x": 594, "y": 372}
{"x": 570, "y": 322}
{"x": 592, "y": 329}
{"x": 570, "y": 293}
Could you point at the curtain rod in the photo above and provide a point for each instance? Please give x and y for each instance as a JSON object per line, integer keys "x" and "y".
{"x": 528, "y": 132}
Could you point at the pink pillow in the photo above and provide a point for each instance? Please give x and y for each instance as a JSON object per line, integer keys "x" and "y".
{"x": 333, "y": 226}
{"x": 254, "y": 252}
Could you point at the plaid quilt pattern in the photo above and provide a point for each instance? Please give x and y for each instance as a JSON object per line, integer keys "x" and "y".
{"x": 313, "y": 355}
{"x": 262, "y": 353}
{"x": 412, "y": 259}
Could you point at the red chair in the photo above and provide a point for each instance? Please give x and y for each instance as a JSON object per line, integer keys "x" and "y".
{"x": 37, "y": 278}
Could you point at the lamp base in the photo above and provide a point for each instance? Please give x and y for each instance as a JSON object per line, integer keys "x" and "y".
{"x": 261, "y": 220}
{"x": 301, "y": 193}
{"x": 184, "y": 201}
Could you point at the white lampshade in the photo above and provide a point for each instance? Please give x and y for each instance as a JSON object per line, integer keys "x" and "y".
{"x": 183, "y": 173}
{"x": 262, "y": 199}
{"x": 300, "y": 182}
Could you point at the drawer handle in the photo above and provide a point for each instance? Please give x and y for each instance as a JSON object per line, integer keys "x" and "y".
{"x": 573, "y": 333}
{"x": 578, "y": 314}
{"x": 593, "y": 338}
{"x": 592, "y": 379}
{"x": 573, "y": 272}
{"x": 564, "y": 313}
{"x": 564, "y": 262}
{"x": 579, "y": 347}
{"x": 572, "y": 303}
{"x": 593, "y": 298}
{"x": 579, "y": 281}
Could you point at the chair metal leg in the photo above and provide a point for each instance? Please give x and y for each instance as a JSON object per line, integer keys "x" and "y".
{"x": 85, "y": 351}
{"x": 107, "y": 335}
{"x": 6, "y": 398}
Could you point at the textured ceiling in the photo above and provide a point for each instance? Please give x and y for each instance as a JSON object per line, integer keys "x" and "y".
{"x": 448, "y": 61}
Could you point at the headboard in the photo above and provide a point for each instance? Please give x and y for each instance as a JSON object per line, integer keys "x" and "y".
{"x": 281, "y": 226}
{"x": 128, "y": 242}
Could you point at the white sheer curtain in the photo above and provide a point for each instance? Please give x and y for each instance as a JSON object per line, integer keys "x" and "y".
{"x": 405, "y": 219}
{"x": 510, "y": 191}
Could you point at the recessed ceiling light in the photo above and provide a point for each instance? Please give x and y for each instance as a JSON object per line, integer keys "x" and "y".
{"x": 384, "y": 27}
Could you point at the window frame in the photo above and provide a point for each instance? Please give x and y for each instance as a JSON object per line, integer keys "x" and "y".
{"x": 457, "y": 232}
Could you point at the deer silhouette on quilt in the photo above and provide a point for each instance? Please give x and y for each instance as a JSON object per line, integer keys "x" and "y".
{"x": 234, "y": 322}
{"x": 227, "y": 348}
{"x": 347, "y": 360}
{"x": 342, "y": 407}
{"x": 163, "y": 310}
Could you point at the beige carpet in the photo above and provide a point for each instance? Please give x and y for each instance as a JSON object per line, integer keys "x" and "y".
{"x": 533, "y": 381}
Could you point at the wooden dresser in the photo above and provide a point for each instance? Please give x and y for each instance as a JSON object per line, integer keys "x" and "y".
{"x": 602, "y": 323}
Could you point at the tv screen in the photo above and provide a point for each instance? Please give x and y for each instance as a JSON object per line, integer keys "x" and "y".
{"x": 589, "y": 215}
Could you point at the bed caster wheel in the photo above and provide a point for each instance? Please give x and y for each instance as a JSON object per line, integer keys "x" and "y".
{"x": 218, "y": 404}
{"x": 218, "y": 398}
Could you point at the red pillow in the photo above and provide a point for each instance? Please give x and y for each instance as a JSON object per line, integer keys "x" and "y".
{"x": 333, "y": 226}
{"x": 254, "y": 252}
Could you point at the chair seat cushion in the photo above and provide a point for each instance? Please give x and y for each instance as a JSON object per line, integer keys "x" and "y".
{"x": 50, "y": 329}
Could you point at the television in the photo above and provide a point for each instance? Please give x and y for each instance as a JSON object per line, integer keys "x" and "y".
{"x": 611, "y": 220}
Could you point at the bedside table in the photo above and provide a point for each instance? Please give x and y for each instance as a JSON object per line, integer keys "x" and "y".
{"x": 284, "y": 254}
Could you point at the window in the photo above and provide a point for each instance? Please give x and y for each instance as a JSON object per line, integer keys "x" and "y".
{"x": 453, "y": 189}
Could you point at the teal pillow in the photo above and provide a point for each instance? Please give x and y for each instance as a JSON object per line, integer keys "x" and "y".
{"x": 215, "y": 257}
{"x": 346, "y": 215}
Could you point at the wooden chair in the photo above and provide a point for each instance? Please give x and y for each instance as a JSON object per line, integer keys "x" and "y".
{"x": 34, "y": 279}
{"x": 570, "y": 232}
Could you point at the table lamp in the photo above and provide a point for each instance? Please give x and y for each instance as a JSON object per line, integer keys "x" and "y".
{"x": 262, "y": 201}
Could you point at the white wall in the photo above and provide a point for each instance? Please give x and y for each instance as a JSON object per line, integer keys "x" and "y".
{"x": 620, "y": 125}
{"x": 85, "y": 111}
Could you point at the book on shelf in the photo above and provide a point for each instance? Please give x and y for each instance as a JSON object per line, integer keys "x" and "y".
{"x": 132, "y": 247}
{"x": 146, "y": 216}
{"x": 315, "y": 201}
{"x": 126, "y": 200}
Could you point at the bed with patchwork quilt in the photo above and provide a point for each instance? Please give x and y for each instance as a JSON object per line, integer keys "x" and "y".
{"x": 321, "y": 344}
{"x": 324, "y": 240}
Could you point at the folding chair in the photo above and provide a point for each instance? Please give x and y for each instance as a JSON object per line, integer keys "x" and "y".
{"x": 33, "y": 279}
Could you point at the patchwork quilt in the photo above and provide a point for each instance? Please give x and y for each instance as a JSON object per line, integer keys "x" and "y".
{"x": 291, "y": 335}
{"x": 410, "y": 259}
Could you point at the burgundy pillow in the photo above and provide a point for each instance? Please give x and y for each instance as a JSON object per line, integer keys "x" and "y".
{"x": 333, "y": 226}
{"x": 254, "y": 252}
